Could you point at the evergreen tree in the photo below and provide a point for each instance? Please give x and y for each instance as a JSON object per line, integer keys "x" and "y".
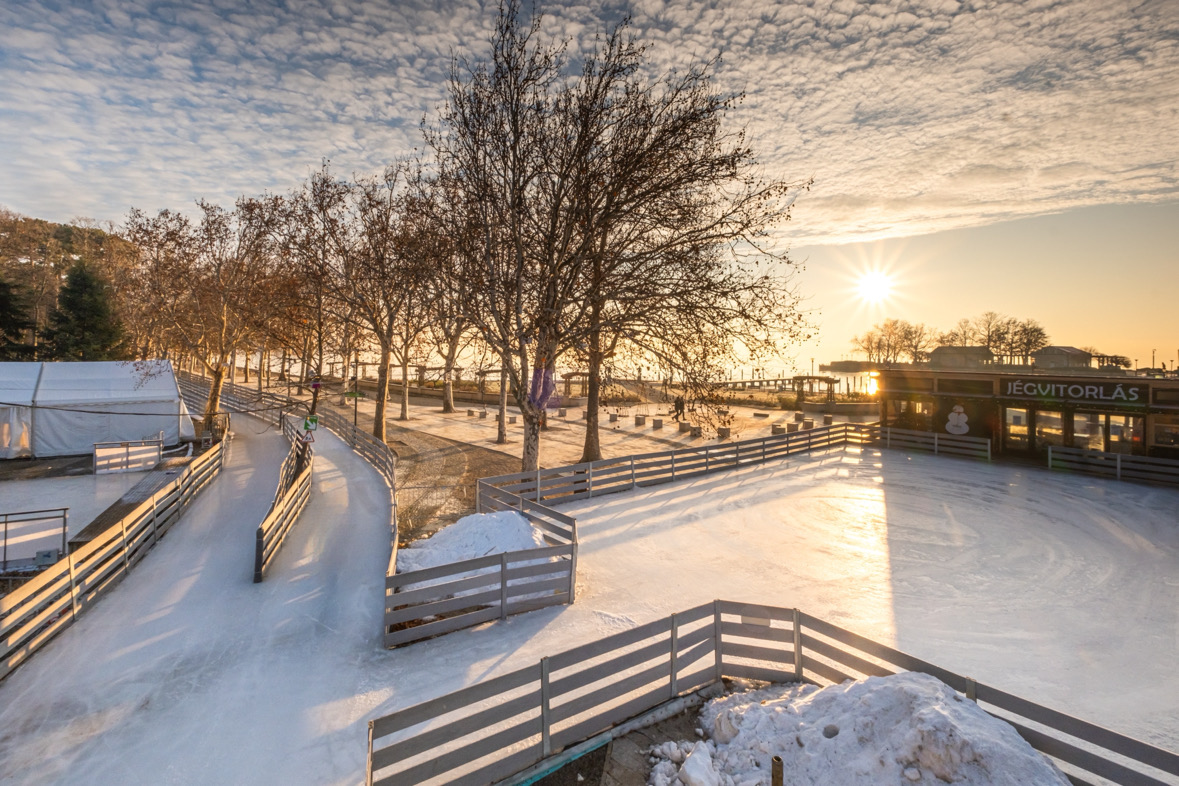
{"x": 14, "y": 323}
{"x": 84, "y": 325}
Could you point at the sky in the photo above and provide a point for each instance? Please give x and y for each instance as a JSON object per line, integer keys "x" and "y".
{"x": 1016, "y": 157}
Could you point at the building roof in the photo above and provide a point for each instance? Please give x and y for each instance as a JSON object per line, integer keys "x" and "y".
{"x": 947, "y": 350}
{"x": 1072, "y": 351}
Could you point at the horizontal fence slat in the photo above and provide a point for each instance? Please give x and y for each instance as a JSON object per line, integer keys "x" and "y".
{"x": 620, "y": 687}
{"x": 614, "y": 641}
{"x": 589, "y": 675}
{"x": 437, "y": 628}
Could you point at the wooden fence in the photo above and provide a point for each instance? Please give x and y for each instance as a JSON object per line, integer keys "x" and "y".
{"x": 275, "y": 409}
{"x": 291, "y": 496}
{"x": 1114, "y": 465}
{"x": 130, "y": 456}
{"x": 420, "y": 604}
{"x": 508, "y": 729}
{"x": 40, "y": 609}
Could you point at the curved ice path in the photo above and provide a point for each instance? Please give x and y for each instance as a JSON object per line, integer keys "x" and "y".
{"x": 190, "y": 673}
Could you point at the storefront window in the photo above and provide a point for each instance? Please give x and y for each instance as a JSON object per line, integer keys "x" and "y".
{"x": 1015, "y": 429}
{"x": 1166, "y": 435}
{"x": 1125, "y": 434}
{"x": 1089, "y": 431}
{"x": 1049, "y": 429}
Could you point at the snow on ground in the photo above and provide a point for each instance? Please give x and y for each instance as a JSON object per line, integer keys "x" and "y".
{"x": 909, "y": 728}
{"x": 1058, "y": 588}
{"x": 85, "y": 495}
{"x": 477, "y": 535}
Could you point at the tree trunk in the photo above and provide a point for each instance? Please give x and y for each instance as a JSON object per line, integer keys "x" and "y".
{"x": 447, "y": 377}
{"x": 233, "y": 367}
{"x": 530, "y": 461}
{"x": 382, "y": 395}
{"x": 261, "y": 356}
{"x": 592, "y": 450}
{"x": 246, "y": 367}
{"x": 213, "y": 403}
{"x": 404, "y": 387}
{"x": 501, "y": 431}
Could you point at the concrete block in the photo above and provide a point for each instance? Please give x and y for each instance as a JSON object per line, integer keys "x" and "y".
{"x": 640, "y": 420}
{"x": 761, "y": 414}
{"x": 562, "y": 412}
{"x": 828, "y": 420}
{"x": 696, "y": 431}
{"x": 613, "y": 417}
{"x": 723, "y": 432}
{"x": 791, "y": 428}
{"x": 470, "y": 413}
{"x": 511, "y": 420}
{"x": 656, "y": 423}
{"x": 808, "y": 423}
{"x": 777, "y": 429}
{"x": 483, "y": 414}
{"x": 685, "y": 427}
{"x": 798, "y": 416}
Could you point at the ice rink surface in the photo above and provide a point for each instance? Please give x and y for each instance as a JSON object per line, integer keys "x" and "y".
{"x": 85, "y": 495}
{"x": 1062, "y": 589}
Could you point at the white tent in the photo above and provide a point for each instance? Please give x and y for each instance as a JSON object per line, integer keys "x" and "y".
{"x": 74, "y": 405}
{"x": 18, "y": 383}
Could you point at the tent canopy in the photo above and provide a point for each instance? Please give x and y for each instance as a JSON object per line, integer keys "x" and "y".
{"x": 68, "y": 407}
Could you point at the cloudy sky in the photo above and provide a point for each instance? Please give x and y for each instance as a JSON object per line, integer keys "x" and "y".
{"x": 1046, "y": 131}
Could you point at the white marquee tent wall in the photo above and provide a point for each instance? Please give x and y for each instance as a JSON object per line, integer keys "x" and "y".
{"x": 62, "y": 409}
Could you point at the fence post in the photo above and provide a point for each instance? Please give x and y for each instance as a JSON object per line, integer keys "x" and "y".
{"x": 538, "y": 485}
{"x": 737, "y": 454}
{"x": 706, "y": 461}
{"x": 545, "y": 742}
{"x": 155, "y": 524}
{"x": 478, "y": 496}
{"x": 368, "y": 764}
{"x": 259, "y": 554}
{"x": 1049, "y": 457}
{"x": 673, "y": 466}
{"x": 73, "y": 588}
{"x": 503, "y": 585}
{"x": 797, "y": 645}
{"x": 674, "y": 647}
{"x": 763, "y": 449}
{"x": 888, "y": 437}
{"x": 935, "y": 443}
{"x": 126, "y": 547}
{"x": 591, "y": 479}
{"x": 65, "y": 528}
{"x": 1119, "y": 466}
{"x": 716, "y": 634}
{"x": 972, "y": 689}
{"x": 573, "y": 571}
{"x": 632, "y": 473}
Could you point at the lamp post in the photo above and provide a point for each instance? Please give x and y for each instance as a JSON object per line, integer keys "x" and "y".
{"x": 355, "y": 394}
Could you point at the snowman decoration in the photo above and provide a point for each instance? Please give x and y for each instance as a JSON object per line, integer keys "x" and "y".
{"x": 956, "y": 422}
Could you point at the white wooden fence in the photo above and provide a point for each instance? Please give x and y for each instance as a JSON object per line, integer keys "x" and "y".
{"x": 130, "y": 456}
{"x": 420, "y": 604}
{"x": 1114, "y": 465}
{"x": 44, "y": 606}
{"x": 508, "y": 729}
{"x": 26, "y": 533}
{"x": 291, "y": 496}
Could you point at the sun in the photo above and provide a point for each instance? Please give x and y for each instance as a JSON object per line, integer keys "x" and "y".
{"x": 874, "y": 287}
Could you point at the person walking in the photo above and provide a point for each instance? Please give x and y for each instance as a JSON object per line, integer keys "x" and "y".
{"x": 679, "y": 408}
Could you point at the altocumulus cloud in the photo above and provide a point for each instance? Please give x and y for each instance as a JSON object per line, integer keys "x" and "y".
{"x": 911, "y": 116}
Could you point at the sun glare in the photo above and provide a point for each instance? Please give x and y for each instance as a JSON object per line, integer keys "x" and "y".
{"x": 874, "y": 287}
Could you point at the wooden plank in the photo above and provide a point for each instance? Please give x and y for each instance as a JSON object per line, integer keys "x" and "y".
{"x": 822, "y": 669}
{"x": 560, "y": 583}
{"x": 758, "y": 673}
{"x": 749, "y": 651}
{"x": 1083, "y": 730}
{"x": 1086, "y": 760}
{"x": 499, "y": 769}
{"x": 543, "y": 569}
{"x": 610, "y": 668}
{"x": 693, "y": 637}
{"x": 434, "y": 708}
{"x": 532, "y": 604}
{"x": 659, "y": 673}
{"x": 446, "y": 605}
{"x": 439, "y": 627}
{"x": 474, "y": 751}
{"x": 398, "y": 580}
{"x": 739, "y": 630}
{"x": 615, "y": 641}
{"x": 456, "y": 730}
{"x": 689, "y": 655}
{"x": 695, "y": 614}
{"x": 755, "y": 610}
{"x": 845, "y": 658}
{"x": 610, "y": 717}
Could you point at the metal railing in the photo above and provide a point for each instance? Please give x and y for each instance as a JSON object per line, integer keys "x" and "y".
{"x": 37, "y": 611}
{"x": 130, "y": 456}
{"x": 28, "y": 533}
{"x": 507, "y": 729}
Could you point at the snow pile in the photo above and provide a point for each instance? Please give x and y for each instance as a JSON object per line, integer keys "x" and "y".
{"x": 477, "y": 535}
{"x": 906, "y": 729}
